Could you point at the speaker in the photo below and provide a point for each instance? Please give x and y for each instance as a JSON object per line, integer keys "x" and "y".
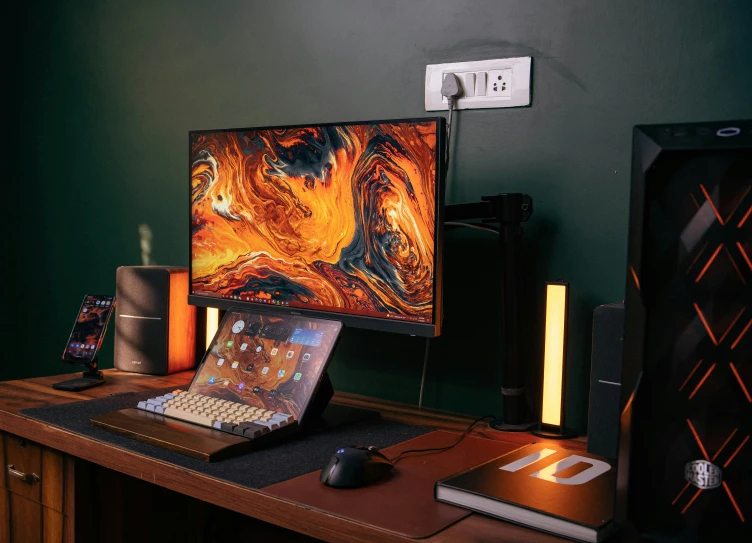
{"x": 685, "y": 457}
{"x": 605, "y": 380}
{"x": 155, "y": 330}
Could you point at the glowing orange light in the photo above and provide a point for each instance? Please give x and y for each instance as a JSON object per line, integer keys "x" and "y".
{"x": 741, "y": 383}
{"x": 553, "y": 358}
{"x": 212, "y": 323}
{"x": 705, "y": 323}
{"x": 733, "y": 263}
{"x": 707, "y": 374}
{"x": 634, "y": 276}
{"x": 691, "y": 501}
{"x": 739, "y": 448}
{"x": 739, "y": 200}
{"x": 699, "y": 254}
{"x": 746, "y": 216}
{"x": 697, "y": 438}
{"x": 679, "y": 495}
{"x": 744, "y": 255}
{"x": 733, "y": 501}
{"x": 724, "y": 444}
{"x": 709, "y": 262}
{"x": 732, "y": 325}
{"x": 746, "y": 328}
{"x": 707, "y": 197}
{"x": 629, "y": 402}
{"x": 690, "y": 376}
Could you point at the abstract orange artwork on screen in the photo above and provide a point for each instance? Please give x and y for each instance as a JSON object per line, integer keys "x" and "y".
{"x": 341, "y": 217}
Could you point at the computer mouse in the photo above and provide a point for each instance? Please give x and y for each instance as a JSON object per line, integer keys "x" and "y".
{"x": 352, "y": 467}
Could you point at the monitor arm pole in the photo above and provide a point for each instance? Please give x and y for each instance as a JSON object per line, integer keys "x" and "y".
{"x": 509, "y": 211}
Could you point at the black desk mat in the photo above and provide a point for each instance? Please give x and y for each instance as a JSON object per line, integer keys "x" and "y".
{"x": 302, "y": 454}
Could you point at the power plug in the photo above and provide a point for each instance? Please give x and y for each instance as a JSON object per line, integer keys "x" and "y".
{"x": 450, "y": 88}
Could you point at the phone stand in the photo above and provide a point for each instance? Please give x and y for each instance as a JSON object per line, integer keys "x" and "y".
{"x": 92, "y": 377}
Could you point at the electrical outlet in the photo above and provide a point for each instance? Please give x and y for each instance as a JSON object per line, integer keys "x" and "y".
{"x": 502, "y": 82}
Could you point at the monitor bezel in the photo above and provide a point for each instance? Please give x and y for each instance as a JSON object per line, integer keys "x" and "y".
{"x": 356, "y": 321}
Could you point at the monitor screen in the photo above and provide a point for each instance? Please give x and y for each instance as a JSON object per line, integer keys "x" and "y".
{"x": 339, "y": 220}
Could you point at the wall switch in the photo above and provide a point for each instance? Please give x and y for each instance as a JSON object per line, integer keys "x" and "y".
{"x": 481, "y": 82}
{"x": 503, "y": 82}
{"x": 468, "y": 86}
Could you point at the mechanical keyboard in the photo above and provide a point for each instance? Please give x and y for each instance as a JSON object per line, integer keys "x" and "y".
{"x": 232, "y": 417}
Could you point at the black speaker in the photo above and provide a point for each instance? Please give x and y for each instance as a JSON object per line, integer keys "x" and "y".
{"x": 605, "y": 380}
{"x": 155, "y": 330}
{"x": 685, "y": 457}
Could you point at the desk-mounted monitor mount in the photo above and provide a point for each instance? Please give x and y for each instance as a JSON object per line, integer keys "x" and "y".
{"x": 508, "y": 211}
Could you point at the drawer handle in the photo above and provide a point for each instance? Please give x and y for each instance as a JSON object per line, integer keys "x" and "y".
{"x": 26, "y": 477}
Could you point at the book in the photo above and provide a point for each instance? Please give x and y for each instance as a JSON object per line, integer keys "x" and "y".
{"x": 546, "y": 487}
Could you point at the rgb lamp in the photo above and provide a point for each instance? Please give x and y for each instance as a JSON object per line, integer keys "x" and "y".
{"x": 212, "y": 323}
{"x": 554, "y": 362}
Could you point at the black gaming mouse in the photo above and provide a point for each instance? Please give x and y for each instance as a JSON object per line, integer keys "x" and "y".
{"x": 351, "y": 467}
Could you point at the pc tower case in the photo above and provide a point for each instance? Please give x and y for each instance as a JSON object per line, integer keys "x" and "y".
{"x": 685, "y": 455}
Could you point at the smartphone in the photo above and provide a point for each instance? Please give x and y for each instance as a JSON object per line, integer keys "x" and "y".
{"x": 89, "y": 329}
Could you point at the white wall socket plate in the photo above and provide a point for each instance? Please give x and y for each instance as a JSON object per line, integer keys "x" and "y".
{"x": 501, "y": 82}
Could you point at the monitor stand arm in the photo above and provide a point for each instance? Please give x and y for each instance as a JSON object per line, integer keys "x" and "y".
{"x": 509, "y": 211}
{"x": 91, "y": 377}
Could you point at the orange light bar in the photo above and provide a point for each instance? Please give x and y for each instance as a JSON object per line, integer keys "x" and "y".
{"x": 733, "y": 454}
{"x": 554, "y": 353}
{"x": 741, "y": 383}
{"x": 738, "y": 316}
{"x": 724, "y": 444}
{"x": 697, "y": 438}
{"x": 707, "y": 197}
{"x": 634, "y": 276}
{"x": 697, "y": 257}
{"x": 212, "y": 323}
{"x": 733, "y": 501}
{"x": 691, "y": 373}
{"x": 709, "y": 262}
{"x": 744, "y": 254}
{"x": 707, "y": 326}
{"x": 733, "y": 263}
{"x": 704, "y": 377}
{"x": 679, "y": 495}
{"x": 692, "y": 500}
{"x": 746, "y": 216}
{"x": 738, "y": 339}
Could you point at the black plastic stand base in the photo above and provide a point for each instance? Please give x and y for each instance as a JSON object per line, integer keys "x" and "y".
{"x": 321, "y": 415}
{"x": 89, "y": 379}
{"x": 554, "y": 434}
{"x": 506, "y": 427}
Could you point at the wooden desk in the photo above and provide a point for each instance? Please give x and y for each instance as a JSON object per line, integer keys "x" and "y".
{"x": 82, "y": 460}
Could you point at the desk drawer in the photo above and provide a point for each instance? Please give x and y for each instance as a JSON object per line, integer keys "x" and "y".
{"x": 26, "y": 521}
{"x": 35, "y": 472}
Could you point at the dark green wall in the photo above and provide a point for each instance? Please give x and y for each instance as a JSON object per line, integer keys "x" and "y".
{"x": 107, "y": 91}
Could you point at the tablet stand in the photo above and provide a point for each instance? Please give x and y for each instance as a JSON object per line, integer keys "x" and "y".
{"x": 92, "y": 377}
{"x": 509, "y": 211}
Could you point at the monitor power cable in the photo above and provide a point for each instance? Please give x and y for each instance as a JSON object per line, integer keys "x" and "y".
{"x": 450, "y": 88}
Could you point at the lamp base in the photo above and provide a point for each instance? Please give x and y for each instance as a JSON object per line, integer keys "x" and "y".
{"x": 552, "y": 433}
{"x": 502, "y": 426}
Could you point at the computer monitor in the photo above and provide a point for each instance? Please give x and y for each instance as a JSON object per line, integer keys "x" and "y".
{"x": 332, "y": 220}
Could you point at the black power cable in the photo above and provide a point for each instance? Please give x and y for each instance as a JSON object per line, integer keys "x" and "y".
{"x": 438, "y": 449}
